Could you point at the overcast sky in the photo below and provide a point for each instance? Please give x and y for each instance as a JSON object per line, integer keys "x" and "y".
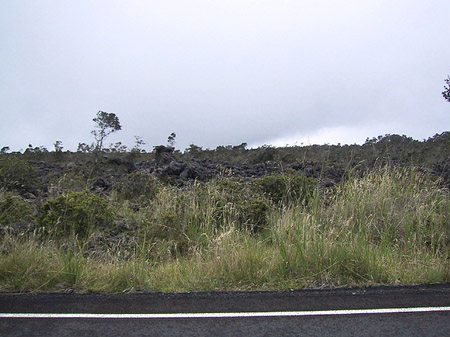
{"x": 223, "y": 72}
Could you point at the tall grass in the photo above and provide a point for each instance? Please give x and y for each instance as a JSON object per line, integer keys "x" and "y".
{"x": 390, "y": 226}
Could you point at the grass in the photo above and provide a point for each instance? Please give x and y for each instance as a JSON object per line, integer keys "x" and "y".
{"x": 390, "y": 226}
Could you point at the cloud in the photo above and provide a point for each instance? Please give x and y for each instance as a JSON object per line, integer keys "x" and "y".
{"x": 222, "y": 73}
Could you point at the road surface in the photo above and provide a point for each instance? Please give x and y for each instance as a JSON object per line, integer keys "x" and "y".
{"x": 381, "y": 311}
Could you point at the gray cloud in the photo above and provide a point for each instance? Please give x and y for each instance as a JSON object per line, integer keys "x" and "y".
{"x": 222, "y": 73}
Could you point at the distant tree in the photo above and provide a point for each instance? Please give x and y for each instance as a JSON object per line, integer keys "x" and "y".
{"x": 240, "y": 147}
{"x": 85, "y": 148}
{"x": 446, "y": 92}
{"x": 171, "y": 138}
{"x": 4, "y": 149}
{"x": 105, "y": 124}
{"x": 193, "y": 149}
{"x": 37, "y": 149}
{"x": 138, "y": 143}
{"x": 117, "y": 148}
{"x": 58, "y": 146}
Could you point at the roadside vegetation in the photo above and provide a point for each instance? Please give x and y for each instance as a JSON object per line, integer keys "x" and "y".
{"x": 283, "y": 231}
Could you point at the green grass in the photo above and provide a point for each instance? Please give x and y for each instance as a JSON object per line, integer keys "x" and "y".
{"x": 389, "y": 227}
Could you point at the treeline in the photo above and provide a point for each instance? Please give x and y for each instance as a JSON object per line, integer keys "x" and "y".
{"x": 392, "y": 148}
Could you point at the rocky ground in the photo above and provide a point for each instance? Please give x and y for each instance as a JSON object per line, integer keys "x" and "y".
{"x": 107, "y": 169}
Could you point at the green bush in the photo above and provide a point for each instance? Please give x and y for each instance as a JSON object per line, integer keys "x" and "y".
{"x": 67, "y": 183}
{"x": 137, "y": 186}
{"x": 285, "y": 189}
{"x": 77, "y": 213}
{"x": 14, "y": 209}
{"x": 256, "y": 214}
{"x": 237, "y": 202}
{"x": 17, "y": 175}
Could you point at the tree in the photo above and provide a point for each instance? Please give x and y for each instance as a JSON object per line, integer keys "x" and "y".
{"x": 171, "y": 138}
{"x": 85, "y": 148}
{"x": 117, "y": 147}
{"x": 58, "y": 146}
{"x": 138, "y": 145}
{"x": 446, "y": 92}
{"x": 37, "y": 149}
{"x": 105, "y": 124}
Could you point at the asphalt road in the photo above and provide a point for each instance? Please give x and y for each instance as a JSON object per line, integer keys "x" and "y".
{"x": 314, "y": 302}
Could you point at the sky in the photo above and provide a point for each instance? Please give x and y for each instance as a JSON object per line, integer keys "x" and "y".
{"x": 272, "y": 72}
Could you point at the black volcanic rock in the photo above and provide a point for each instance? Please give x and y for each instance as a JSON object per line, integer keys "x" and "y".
{"x": 174, "y": 168}
{"x": 100, "y": 185}
{"x": 164, "y": 154}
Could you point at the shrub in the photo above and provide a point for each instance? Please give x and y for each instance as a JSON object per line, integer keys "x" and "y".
{"x": 257, "y": 214}
{"x": 69, "y": 182}
{"x": 137, "y": 186}
{"x": 14, "y": 209}
{"x": 237, "y": 202}
{"x": 76, "y": 213}
{"x": 286, "y": 188}
{"x": 17, "y": 175}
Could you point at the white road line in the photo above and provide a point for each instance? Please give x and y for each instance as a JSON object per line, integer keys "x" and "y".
{"x": 229, "y": 314}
